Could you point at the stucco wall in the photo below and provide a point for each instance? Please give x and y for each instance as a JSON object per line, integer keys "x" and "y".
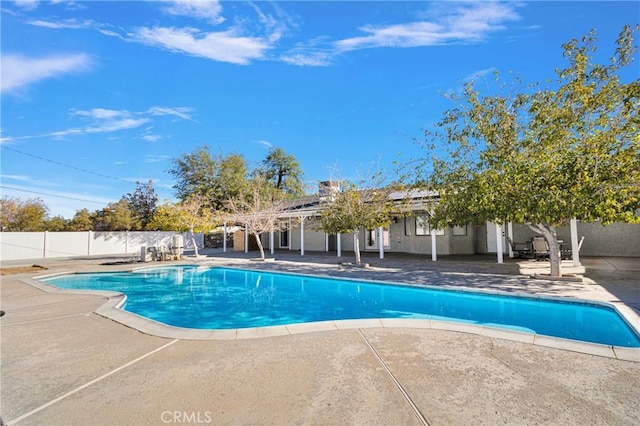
{"x": 612, "y": 240}
{"x": 616, "y": 239}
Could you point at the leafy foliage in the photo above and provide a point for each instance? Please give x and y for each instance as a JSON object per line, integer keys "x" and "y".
{"x": 353, "y": 208}
{"x": 544, "y": 156}
{"x": 23, "y": 216}
{"x": 115, "y": 217}
{"x": 283, "y": 171}
{"x": 142, "y": 203}
{"x": 216, "y": 178}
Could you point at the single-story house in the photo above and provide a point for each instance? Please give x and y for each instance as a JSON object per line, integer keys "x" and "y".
{"x": 410, "y": 233}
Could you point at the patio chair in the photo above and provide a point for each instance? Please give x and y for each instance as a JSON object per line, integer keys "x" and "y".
{"x": 540, "y": 248}
{"x": 566, "y": 251}
{"x": 519, "y": 249}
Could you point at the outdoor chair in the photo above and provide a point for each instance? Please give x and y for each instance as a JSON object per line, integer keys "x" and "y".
{"x": 540, "y": 248}
{"x": 520, "y": 249}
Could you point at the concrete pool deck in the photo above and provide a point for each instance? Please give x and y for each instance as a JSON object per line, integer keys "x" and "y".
{"x": 64, "y": 364}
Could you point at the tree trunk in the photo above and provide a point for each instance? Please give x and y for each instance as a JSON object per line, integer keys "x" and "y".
{"x": 259, "y": 242}
{"x": 550, "y": 236}
{"x": 193, "y": 241}
{"x": 356, "y": 247}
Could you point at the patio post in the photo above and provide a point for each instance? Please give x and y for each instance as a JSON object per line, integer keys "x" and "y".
{"x": 575, "y": 248}
{"x": 224, "y": 236}
{"x": 499, "y": 243}
{"x": 246, "y": 238}
{"x": 271, "y": 240}
{"x": 339, "y": 244}
{"x": 302, "y": 236}
{"x": 510, "y": 235}
{"x": 434, "y": 255}
{"x": 381, "y": 242}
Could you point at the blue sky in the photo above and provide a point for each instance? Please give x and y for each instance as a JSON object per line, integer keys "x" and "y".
{"x": 97, "y": 95}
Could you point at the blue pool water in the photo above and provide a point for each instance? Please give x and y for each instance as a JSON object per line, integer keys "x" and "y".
{"x": 221, "y": 298}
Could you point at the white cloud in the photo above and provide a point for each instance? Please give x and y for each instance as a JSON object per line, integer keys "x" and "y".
{"x": 108, "y": 120}
{"x": 23, "y": 178}
{"x": 151, "y": 158}
{"x": 102, "y": 120}
{"x": 225, "y": 46}
{"x": 27, "y": 4}
{"x": 210, "y": 10}
{"x": 182, "y": 112}
{"x": 307, "y": 59}
{"x": 19, "y": 71}
{"x": 64, "y": 24}
{"x": 453, "y": 23}
{"x": 151, "y": 138}
{"x": 119, "y": 124}
{"x": 479, "y": 74}
{"x": 101, "y": 113}
{"x": 265, "y": 143}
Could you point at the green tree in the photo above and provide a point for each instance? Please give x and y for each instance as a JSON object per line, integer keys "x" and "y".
{"x": 231, "y": 179}
{"x": 545, "y": 156}
{"x": 366, "y": 207}
{"x": 192, "y": 215}
{"x": 82, "y": 221}
{"x": 195, "y": 173}
{"x": 23, "y": 216}
{"x": 9, "y": 208}
{"x": 142, "y": 203}
{"x": 283, "y": 172}
{"x": 56, "y": 224}
{"x": 216, "y": 178}
{"x": 115, "y": 217}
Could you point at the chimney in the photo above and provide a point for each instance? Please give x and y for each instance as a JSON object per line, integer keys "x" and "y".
{"x": 327, "y": 190}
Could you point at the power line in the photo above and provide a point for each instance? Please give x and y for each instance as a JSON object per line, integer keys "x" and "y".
{"x": 64, "y": 165}
{"x": 51, "y": 195}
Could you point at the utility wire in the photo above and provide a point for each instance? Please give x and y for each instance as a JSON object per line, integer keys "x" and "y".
{"x": 51, "y": 195}
{"x": 64, "y": 165}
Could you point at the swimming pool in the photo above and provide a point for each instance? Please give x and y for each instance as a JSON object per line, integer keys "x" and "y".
{"x": 225, "y": 298}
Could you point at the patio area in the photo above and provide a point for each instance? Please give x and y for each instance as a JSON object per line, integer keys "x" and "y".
{"x": 64, "y": 364}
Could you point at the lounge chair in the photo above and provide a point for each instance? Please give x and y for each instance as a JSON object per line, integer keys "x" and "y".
{"x": 520, "y": 249}
{"x": 540, "y": 248}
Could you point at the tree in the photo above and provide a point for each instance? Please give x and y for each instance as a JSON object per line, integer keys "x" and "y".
{"x": 215, "y": 178}
{"x": 9, "y": 208}
{"x": 195, "y": 173}
{"x": 353, "y": 208}
{"x": 259, "y": 213}
{"x": 115, "y": 217}
{"x": 192, "y": 215}
{"x": 56, "y": 224}
{"x": 82, "y": 221}
{"x": 142, "y": 203}
{"x": 23, "y": 216}
{"x": 231, "y": 179}
{"x": 545, "y": 156}
{"x": 283, "y": 171}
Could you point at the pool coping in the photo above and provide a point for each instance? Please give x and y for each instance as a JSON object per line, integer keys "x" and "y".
{"x": 112, "y": 309}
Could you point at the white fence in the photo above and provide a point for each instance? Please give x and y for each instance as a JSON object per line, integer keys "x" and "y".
{"x": 39, "y": 245}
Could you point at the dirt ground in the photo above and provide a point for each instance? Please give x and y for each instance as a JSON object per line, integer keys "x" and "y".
{"x": 21, "y": 269}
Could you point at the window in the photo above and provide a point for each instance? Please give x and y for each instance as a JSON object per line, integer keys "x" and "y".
{"x": 423, "y": 228}
{"x": 460, "y": 230}
{"x": 422, "y": 225}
